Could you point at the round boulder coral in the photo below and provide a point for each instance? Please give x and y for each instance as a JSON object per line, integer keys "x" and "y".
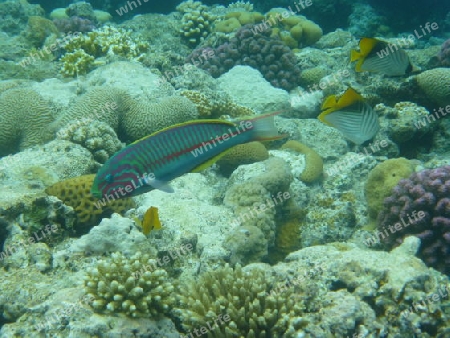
{"x": 242, "y": 154}
{"x": 435, "y": 83}
{"x": 422, "y": 202}
{"x": 24, "y": 120}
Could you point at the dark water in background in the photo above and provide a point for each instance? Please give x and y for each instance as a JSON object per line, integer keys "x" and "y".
{"x": 401, "y": 15}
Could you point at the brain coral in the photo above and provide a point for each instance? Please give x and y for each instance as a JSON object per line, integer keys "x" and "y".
{"x": 242, "y": 154}
{"x": 24, "y": 120}
{"x": 135, "y": 286}
{"x": 145, "y": 118}
{"x": 130, "y": 118}
{"x": 436, "y": 85}
{"x": 382, "y": 179}
{"x": 76, "y": 192}
{"x": 276, "y": 62}
{"x": 425, "y": 193}
{"x": 244, "y": 302}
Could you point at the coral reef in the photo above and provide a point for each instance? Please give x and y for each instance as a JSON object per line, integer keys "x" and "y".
{"x": 38, "y": 30}
{"x": 382, "y": 179}
{"x": 130, "y": 118}
{"x": 256, "y": 192}
{"x": 106, "y": 41}
{"x": 242, "y": 154}
{"x": 216, "y": 105}
{"x": 16, "y": 106}
{"x": 314, "y": 163}
{"x": 243, "y": 301}
{"x": 422, "y": 202}
{"x": 244, "y": 245}
{"x": 268, "y": 54}
{"x": 236, "y": 19}
{"x": 444, "y": 54}
{"x": 435, "y": 83}
{"x": 402, "y": 120}
{"x": 74, "y": 24}
{"x": 196, "y": 22}
{"x": 81, "y": 9}
{"x": 295, "y": 30}
{"x": 96, "y": 136}
{"x": 145, "y": 118}
{"x": 117, "y": 285}
{"x": 76, "y": 192}
{"x": 77, "y": 63}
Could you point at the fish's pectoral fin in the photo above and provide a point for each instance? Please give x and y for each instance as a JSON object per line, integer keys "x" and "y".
{"x": 160, "y": 185}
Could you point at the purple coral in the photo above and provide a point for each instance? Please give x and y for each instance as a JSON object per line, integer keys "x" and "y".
{"x": 444, "y": 54}
{"x": 276, "y": 62}
{"x": 426, "y": 194}
{"x": 74, "y": 24}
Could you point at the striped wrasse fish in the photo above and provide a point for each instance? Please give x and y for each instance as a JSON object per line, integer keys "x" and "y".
{"x": 152, "y": 162}
{"x": 381, "y": 57}
{"x": 351, "y": 115}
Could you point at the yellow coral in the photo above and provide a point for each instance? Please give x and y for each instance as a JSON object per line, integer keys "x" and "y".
{"x": 242, "y": 154}
{"x": 39, "y": 29}
{"x": 204, "y": 107}
{"x": 314, "y": 163}
{"x": 75, "y": 192}
{"x": 227, "y": 26}
{"x": 382, "y": 179}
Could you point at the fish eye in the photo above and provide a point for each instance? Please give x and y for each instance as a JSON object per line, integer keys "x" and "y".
{"x": 109, "y": 178}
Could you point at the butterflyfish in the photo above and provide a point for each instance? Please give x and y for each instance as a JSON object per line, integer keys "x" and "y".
{"x": 153, "y": 161}
{"x": 381, "y": 57}
{"x": 150, "y": 221}
{"x": 351, "y": 115}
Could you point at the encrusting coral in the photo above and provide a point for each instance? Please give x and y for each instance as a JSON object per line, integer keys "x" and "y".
{"x": 243, "y": 301}
{"x": 76, "y": 192}
{"x": 314, "y": 163}
{"x": 18, "y": 105}
{"x": 135, "y": 286}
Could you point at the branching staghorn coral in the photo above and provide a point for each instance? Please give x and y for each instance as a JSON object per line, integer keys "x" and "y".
{"x": 243, "y": 296}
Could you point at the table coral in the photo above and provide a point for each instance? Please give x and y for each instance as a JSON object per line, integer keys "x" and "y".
{"x": 243, "y": 300}
{"x": 135, "y": 286}
{"x": 261, "y": 51}
{"x": 16, "y": 106}
{"x": 424, "y": 193}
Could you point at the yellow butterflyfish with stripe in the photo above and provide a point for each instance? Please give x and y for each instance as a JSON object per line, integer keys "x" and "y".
{"x": 381, "y": 57}
{"x": 351, "y": 115}
{"x": 150, "y": 221}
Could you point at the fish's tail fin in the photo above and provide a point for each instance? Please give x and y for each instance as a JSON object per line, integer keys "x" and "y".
{"x": 355, "y": 55}
{"x": 264, "y": 128}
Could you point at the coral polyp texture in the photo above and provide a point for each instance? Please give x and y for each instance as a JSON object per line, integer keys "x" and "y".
{"x": 134, "y": 286}
{"x": 242, "y": 302}
{"x": 196, "y": 22}
{"x": 426, "y": 194}
{"x": 276, "y": 62}
{"x": 18, "y": 105}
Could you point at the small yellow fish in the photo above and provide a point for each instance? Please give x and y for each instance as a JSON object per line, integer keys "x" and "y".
{"x": 150, "y": 221}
